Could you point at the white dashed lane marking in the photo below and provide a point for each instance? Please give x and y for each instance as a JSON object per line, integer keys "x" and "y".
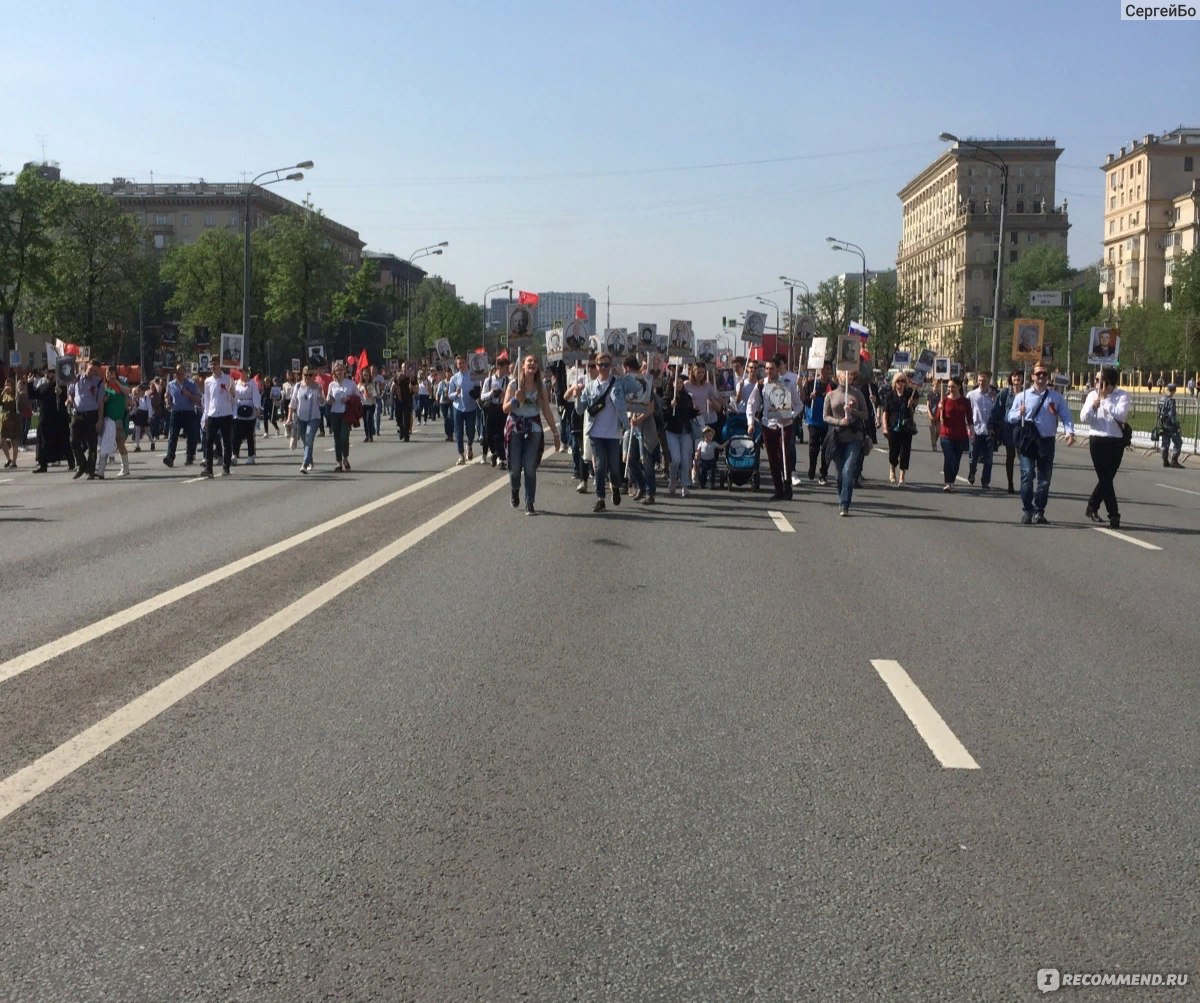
{"x": 950, "y": 752}
{"x": 781, "y": 522}
{"x": 1128, "y": 539}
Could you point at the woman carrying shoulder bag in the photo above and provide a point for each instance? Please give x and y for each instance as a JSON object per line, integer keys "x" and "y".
{"x": 526, "y": 402}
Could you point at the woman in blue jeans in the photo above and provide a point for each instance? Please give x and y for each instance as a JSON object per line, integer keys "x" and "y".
{"x": 526, "y": 402}
{"x": 845, "y": 416}
{"x": 304, "y": 411}
{"x": 955, "y": 431}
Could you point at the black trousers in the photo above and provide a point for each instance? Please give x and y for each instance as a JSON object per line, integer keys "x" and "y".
{"x": 816, "y": 451}
{"x": 222, "y": 426}
{"x": 243, "y": 431}
{"x": 900, "y": 449}
{"x": 781, "y": 444}
{"x": 85, "y": 440}
{"x": 493, "y": 419}
{"x": 1106, "y": 451}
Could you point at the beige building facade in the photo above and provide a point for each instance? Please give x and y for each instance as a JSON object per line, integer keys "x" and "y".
{"x": 1151, "y": 214}
{"x": 176, "y": 214}
{"x": 949, "y": 238}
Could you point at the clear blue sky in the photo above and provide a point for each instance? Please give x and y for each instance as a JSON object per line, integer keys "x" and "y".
{"x": 674, "y": 152}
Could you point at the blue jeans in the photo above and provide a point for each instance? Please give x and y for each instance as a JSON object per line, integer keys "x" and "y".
{"x": 606, "y": 457}
{"x": 850, "y": 454}
{"x": 952, "y": 454}
{"x": 681, "y": 448}
{"x": 981, "y": 452}
{"x": 1035, "y": 500}
{"x": 308, "y": 433}
{"x": 448, "y": 419}
{"x": 523, "y": 454}
{"x": 464, "y": 424}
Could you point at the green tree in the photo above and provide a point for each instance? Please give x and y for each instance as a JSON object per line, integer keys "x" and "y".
{"x": 303, "y": 270}
{"x": 894, "y": 316}
{"x": 1151, "y": 337}
{"x": 1185, "y": 304}
{"x": 99, "y": 267}
{"x": 24, "y": 245}
{"x": 206, "y": 280}
{"x": 833, "y": 306}
{"x": 437, "y": 313}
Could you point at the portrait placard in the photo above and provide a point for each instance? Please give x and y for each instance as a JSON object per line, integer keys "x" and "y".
{"x": 64, "y": 368}
{"x": 231, "y": 351}
{"x": 1104, "y": 346}
{"x": 315, "y": 356}
{"x": 554, "y": 346}
{"x": 662, "y": 343}
{"x": 924, "y": 364}
{"x": 520, "y": 326}
{"x": 14, "y": 357}
{"x": 680, "y": 338}
{"x": 777, "y": 401}
{"x": 637, "y": 394}
{"x": 817, "y": 353}
{"x": 85, "y": 353}
{"x": 596, "y": 344}
{"x": 574, "y": 341}
{"x": 478, "y": 366}
{"x": 753, "y": 328}
{"x": 203, "y": 363}
{"x": 170, "y": 334}
{"x": 901, "y": 360}
{"x": 706, "y": 351}
{"x": 295, "y": 365}
{"x": 941, "y": 369}
{"x": 647, "y": 337}
{"x": 849, "y": 345}
{"x": 614, "y": 341}
{"x": 393, "y": 365}
{"x": 1027, "y": 339}
{"x": 442, "y": 350}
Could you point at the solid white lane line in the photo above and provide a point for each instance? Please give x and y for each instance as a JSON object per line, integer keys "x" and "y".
{"x": 1127, "y": 539}
{"x": 949, "y": 751}
{"x": 42, "y": 774}
{"x": 6, "y": 480}
{"x": 68, "y": 642}
{"x": 1169, "y": 487}
{"x": 192, "y": 480}
{"x": 781, "y": 522}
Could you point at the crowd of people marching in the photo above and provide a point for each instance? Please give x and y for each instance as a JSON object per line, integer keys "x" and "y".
{"x": 679, "y": 423}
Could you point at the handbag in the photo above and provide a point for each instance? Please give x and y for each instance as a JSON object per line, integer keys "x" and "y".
{"x": 1028, "y": 439}
{"x": 1126, "y": 434}
{"x": 245, "y": 411}
{"x": 597, "y": 406}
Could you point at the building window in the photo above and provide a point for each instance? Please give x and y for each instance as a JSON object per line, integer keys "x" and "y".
{"x": 1031, "y": 238}
{"x": 1112, "y": 201}
{"x": 210, "y": 219}
{"x": 160, "y": 219}
{"x": 1112, "y": 223}
{"x": 1037, "y": 189}
{"x": 233, "y": 219}
{"x": 1014, "y": 237}
{"x": 185, "y": 219}
{"x": 160, "y": 241}
{"x": 987, "y": 189}
{"x": 1021, "y": 187}
{"x": 1020, "y": 205}
{"x": 1037, "y": 172}
{"x": 1187, "y": 164}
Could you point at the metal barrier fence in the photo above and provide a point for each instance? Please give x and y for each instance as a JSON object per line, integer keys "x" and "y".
{"x": 1144, "y": 416}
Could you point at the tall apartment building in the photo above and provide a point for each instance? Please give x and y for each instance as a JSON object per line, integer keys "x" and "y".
{"x": 179, "y": 213}
{"x": 949, "y": 237}
{"x": 1151, "y": 216}
{"x": 551, "y": 308}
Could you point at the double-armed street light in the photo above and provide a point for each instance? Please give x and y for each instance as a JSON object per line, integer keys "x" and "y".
{"x": 297, "y": 175}
{"x": 845, "y": 245}
{"x": 791, "y": 287}
{"x": 990, "y": 156}
{"x": 420, "y": 252}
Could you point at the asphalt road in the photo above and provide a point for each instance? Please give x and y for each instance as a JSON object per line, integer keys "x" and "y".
{"x": 404, "y": 743}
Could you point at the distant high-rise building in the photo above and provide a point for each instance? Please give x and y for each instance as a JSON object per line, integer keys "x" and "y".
{"x": 1151, "y": 216}
{"x": 551, "y": 308}
{"x": 950, "y": 231}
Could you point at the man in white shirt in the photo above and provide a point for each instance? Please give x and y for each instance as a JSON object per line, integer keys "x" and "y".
{"x": 779, "y": 404}
{"x": 218, "y": 419}
{"x": 982, "y": 400}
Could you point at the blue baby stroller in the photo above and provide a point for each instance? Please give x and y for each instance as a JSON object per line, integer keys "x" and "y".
{"x": 741, "y": 452}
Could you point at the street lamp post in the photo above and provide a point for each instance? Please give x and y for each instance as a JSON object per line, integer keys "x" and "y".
{"x": 506, "y": 284}
{"x": 298, "y": 175}
{"x": 767, "y": 302}
{"x": 992, "y": 157}
{"x": 791, "y": 285}
{"x": 845, "y": 245}
{"x": 420, "y": 252}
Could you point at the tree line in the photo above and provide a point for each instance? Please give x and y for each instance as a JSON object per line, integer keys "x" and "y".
{"x": 74, "y": 265}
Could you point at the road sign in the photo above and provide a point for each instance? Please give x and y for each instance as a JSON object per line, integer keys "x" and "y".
{"x": 1045, "y": 297}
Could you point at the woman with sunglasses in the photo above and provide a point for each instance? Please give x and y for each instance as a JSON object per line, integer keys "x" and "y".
{"x": 897, "y": 409}
{"x": 526, "y": 402}
{"x": 304, "y": 414}
{"x": 341, "y": 389}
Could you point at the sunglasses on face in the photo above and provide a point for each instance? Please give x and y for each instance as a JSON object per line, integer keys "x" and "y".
{"x": 604, "y": 365}
{"x": 1039, "y": 375}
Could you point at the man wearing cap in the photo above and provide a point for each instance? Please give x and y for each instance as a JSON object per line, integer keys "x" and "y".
{"x": 1168, "y": 420}
{"x": 492, "y": 399}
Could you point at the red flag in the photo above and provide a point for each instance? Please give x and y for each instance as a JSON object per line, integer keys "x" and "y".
{"x": 527, "y": 299}
{"x": 580, "y": 313}
{"x": 363, "y": 361}
{"x": 235, "y": 374}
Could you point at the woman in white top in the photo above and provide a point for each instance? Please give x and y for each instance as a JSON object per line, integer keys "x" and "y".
{"x": 366, "y": 391}
{"x": 341, "y": 389}
{"x": 526, "y": 402}
{"x": 247, "y": 404}
{"x": 304, "y": 415}
{"x": 1106, "y": 410}
{"x": 143, "y": 411}
{"x": 707, "y": 401}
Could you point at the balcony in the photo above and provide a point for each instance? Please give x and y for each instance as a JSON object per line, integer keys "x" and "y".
{"x": 1107, "y": 280}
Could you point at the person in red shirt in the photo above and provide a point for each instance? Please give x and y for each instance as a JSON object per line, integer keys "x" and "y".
{"x": 955, "y": 430}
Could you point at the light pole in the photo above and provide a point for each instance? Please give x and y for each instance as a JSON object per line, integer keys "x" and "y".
{"x": 992, "y": 157}
{"x": 791, "y": 285}
{"x": 506, "y": 284}
{"x": 420, "y": 252}
{"x": 845, "y": 245}
{"x": 299, "y": 168}
{"x": 767, "y": 302}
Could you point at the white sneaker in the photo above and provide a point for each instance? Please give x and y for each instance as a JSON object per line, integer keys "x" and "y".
{"x": 462, "y": 461}
{"x": 303, "y": 468}
{"x": 250, "y": 461}
{"x": 796, "y": 482}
